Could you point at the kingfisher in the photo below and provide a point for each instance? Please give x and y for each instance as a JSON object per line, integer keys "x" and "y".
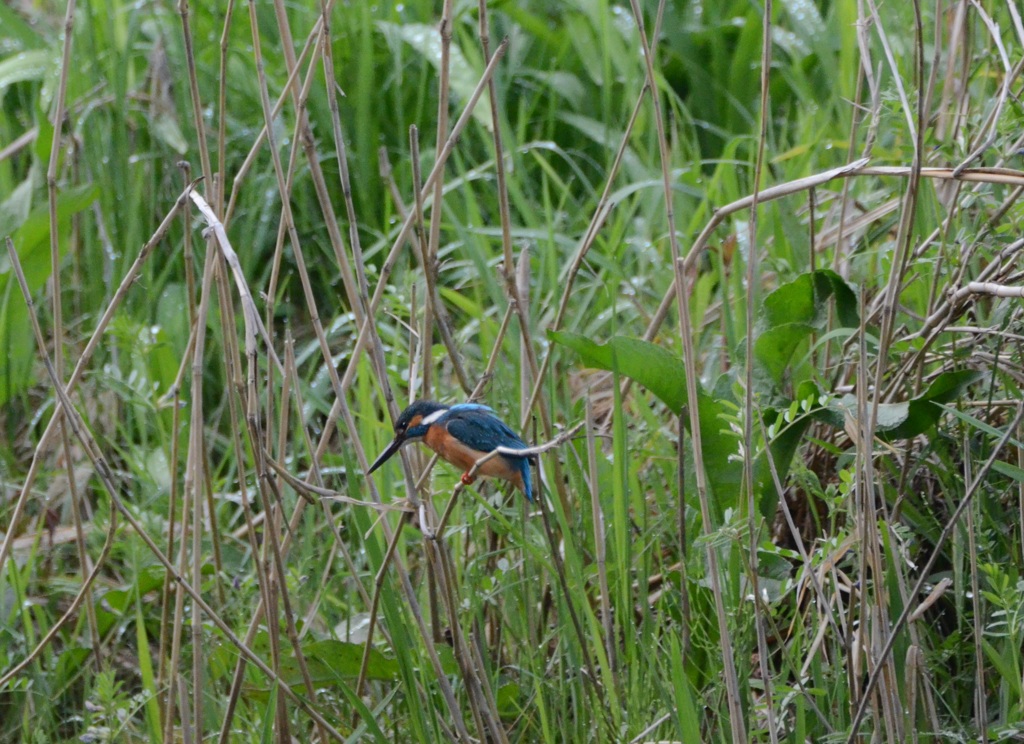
{"x": 461, "y": 434}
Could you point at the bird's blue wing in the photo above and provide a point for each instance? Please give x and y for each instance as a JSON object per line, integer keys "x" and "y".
{"x": 480, "y": 429}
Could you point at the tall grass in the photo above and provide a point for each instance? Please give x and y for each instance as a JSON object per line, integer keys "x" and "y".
{"x": 256, "y": 270}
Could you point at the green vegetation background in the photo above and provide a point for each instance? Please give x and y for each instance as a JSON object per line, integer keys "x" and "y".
{"x": 651, "y": 595}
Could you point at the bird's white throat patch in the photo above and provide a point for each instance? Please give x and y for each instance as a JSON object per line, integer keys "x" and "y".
{"x": 428, "y": 420}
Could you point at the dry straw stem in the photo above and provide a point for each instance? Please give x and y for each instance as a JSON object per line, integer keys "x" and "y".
{"x": 482, "y": 700}
{"x": 195, "y": 478}
{"x": 340, "y": 152}
{"x": 406, "y": 230}
{"x": 19, "y": 144}
{"x": 291, "y": 373}
{"x": 355, "y": 291}
{"x": 431, "y": 245}
{"x": 193, "y": 89}
{"x": 854, "y": 169}
{"x": 367, "y": 333}
{"x": 435, "y": 537}
{"x": 810, "y": 574}
{"x": 273, "y": 582}
{"x": 312, "y": 43}
{"x": 167, "y": 664}
{"x": 374, "y": 604}
{"x": 337, "y": 545}
{"x": 688, "y": 263}
{"x": 309, "y": 490}
{"x": 252, "y": 319}
{"x": 196, "y": 466}
{"x": 482, "y": 707}
{"x": 986, "y": 139}
{"x": 733, "y": 695}
{"x": 601, "y": 547}
{"x": 933, "y": 596}
{"x": 435, "y": 173}
{"x": 597, "y": 220}
{"x": 445, "y": 572}
{"x": 286, "y": 214}
{"x": 107, "y": 476}
{"x": 58, "y": 312}
{"x": 996, "y": 290}
{"x": 250, "y": 315}
{"x": 754, "y": 519}
{"x": 926, "y": 572}
{"x": 520, "y": 299}
{"x": 83, "y": 360}
{"x": 429, "y": 266}
{"x": 864, "y": 506}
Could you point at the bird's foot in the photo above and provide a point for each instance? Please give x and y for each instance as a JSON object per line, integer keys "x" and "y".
{"x": 467, "y": 479}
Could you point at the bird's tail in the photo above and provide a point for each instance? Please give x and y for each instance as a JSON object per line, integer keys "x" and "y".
{"x": 524, "y": 469}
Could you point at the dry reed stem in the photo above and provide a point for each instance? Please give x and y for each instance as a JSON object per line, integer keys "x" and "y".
{"x": 754, "y": 520}
{"x": 601, "y": 547}
{"x": 83, "y": 360}
{"x": 988, "y": 131}
{"x": 601, "y": 212}
{"x": 107, "y": 476}
{"x": 271, "y": 582}
{"x": 58, "y": 311}
{"x": 866, "y": 491}
{"x": 737, "y": 724}
{"x": 926, "y": 570}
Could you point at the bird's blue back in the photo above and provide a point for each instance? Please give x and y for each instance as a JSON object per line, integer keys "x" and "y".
{"x": 479, "y": 427}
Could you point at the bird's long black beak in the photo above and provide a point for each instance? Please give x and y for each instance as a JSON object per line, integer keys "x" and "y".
{"x": 392, "y": 448}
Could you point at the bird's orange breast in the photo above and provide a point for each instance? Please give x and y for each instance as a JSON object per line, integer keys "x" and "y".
{"x": 462, "y": 456}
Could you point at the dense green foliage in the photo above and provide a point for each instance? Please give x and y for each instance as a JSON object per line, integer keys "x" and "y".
{"x": 653, "y": 593}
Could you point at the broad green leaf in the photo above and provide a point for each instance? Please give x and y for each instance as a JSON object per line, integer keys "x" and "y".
{"x": 330, "y": 660}
{"x": 775, "y": 346}
{"x": 17, "y": 347}
{"x": 782, "y": 447}
{"x": 43, "y": 143}
{"x": 657, "y": 369}
{"x": 891, "y": 415}
{"x": 32, "y": 237}
{"x": 663, "y": 374}
{"x": 794, "y": 311}
{"x": 909, "y": 418}
{"x": 1005, "y": 664}
{"x": 924, "y": 412}
{"x": 509, "y": 700}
